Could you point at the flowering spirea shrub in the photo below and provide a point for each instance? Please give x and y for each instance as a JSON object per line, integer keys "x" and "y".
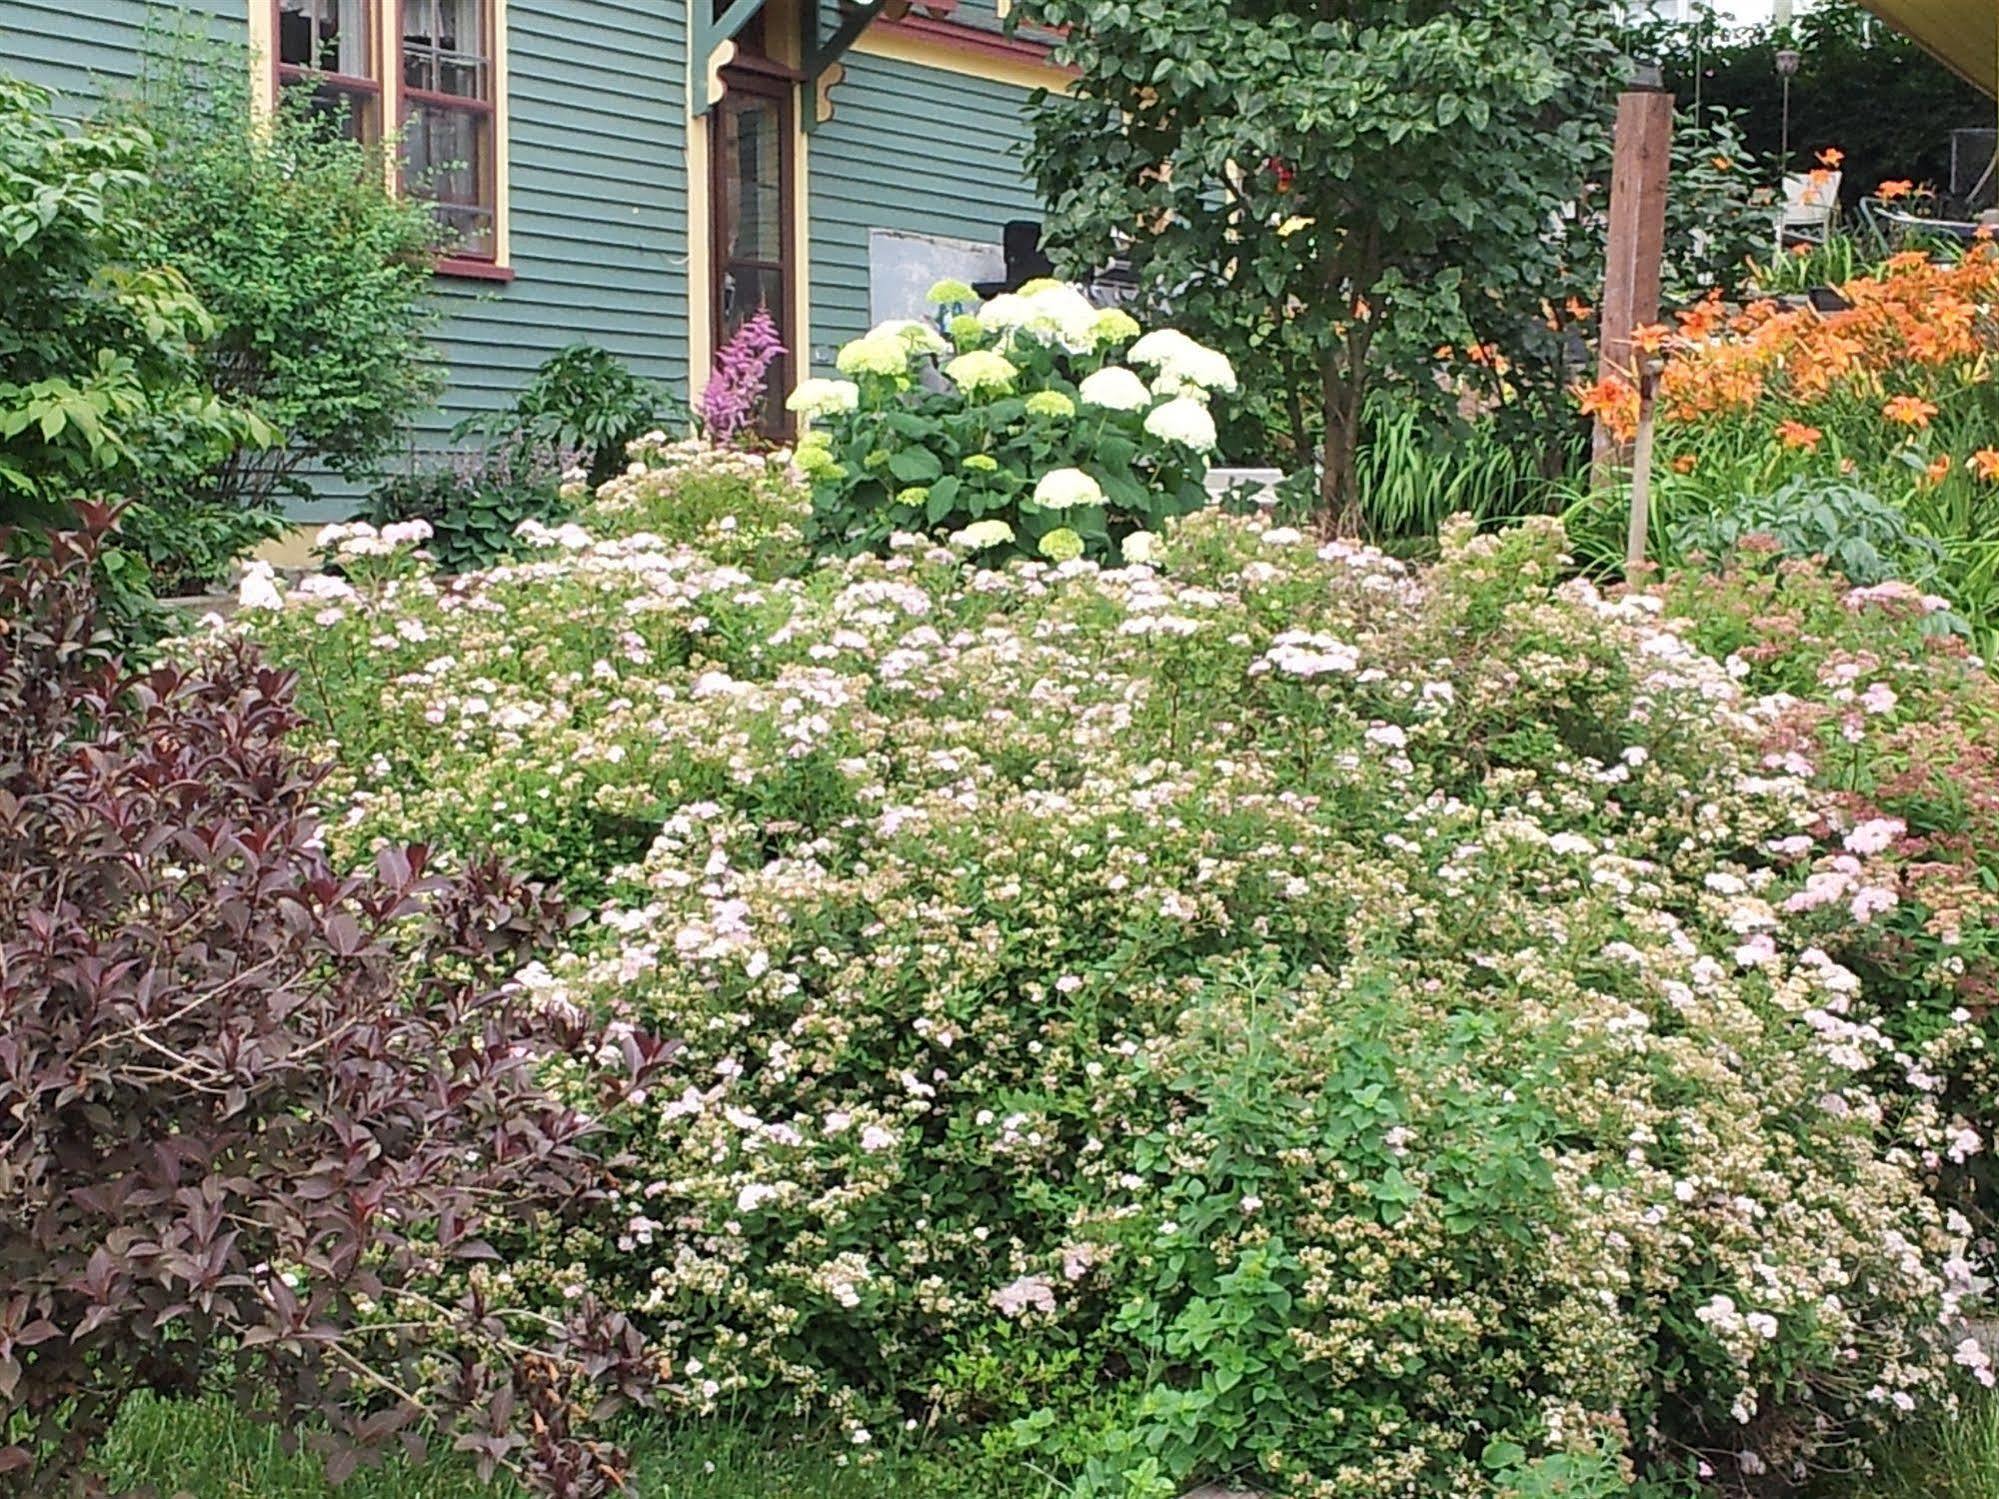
{"x": 1040, "y": 426}
{"x": 748, "y": 510}
{"x": 1897, "y": 725}
{"x": 1263, "y": 1008}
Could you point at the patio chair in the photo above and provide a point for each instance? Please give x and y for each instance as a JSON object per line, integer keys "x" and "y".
{"x": 1894, "y": 230}
{"x": 1811, "y": 201}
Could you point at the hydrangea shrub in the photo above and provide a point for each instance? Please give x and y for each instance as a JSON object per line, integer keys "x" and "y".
{"x": 1035, "y": 425}
{"x": 1265, "y": 1009}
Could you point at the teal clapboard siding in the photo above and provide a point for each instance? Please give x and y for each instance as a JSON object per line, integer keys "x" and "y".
{"x": 82, "y": 51}
{"x": 598, "y": 213}
{"x": 910, "y": 148}
{"x": 598, "y": 207}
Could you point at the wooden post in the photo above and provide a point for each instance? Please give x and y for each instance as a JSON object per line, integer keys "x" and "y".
{"x": 1638, "y": 531}
{"x": 1643, "y": 150}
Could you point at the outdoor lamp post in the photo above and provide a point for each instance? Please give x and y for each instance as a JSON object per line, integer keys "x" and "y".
{"x": 1787, "y": 69}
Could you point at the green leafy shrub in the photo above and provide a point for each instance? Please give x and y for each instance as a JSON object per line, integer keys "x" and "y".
{"x": 1860, "y": 536}
{"x": 582, "y": 400}
{"x": 474, "y": 503}
{"x": 313, "y": 269}
{"x": 1268, "y": 1011}
{"x": 103, "y": 381}
{"x": 582, "y": 408}
{"x": 1020, "y": 434}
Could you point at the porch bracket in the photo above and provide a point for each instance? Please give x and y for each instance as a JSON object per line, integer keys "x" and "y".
{"x": 712, "y": 33}
{"x": 822, "y": 55}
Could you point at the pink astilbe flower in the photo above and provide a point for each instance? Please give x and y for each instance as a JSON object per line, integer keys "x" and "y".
{"x": 734, "y": 395}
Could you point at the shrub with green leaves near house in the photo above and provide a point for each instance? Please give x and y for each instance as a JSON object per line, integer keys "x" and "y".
{"x": 1035, "y": 425}
{"x": 314, "y": 269}
{"x": 1183, "y": 1019}
{"x": 103, "y": 382}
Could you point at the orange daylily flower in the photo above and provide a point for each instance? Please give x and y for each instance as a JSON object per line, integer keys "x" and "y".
{"x": 1685, "y": 463}
{"x": 1910, "y": 411}
{"x": 1650, "y": 338}
{"x": 1700, "y": 320}
{"x": 1721, "y": 163}
{"x": 1831, "y": 156}
{"x": 1900, "y": 187}
{"x": 1578, "y": 309}
{"x": 1613, "y": 403}
{"x": 1985, "y": 463}
{"x": 1912, "y": 325}
{"x": 1936, "y": 472}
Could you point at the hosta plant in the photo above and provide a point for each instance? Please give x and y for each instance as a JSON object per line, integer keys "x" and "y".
{"x": 1034, "y": 425}
{"x": 1267, "y": 1011}
{"x": 263, "y": 1114}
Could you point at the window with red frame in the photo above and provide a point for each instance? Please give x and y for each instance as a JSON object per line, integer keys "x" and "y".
{"x": 448, "y": 117}
{"x": 328, "y": 46}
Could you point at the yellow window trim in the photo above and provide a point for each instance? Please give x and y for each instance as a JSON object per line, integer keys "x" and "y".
{"x": 263, "y": 99}
{"x": 924, "y": 52}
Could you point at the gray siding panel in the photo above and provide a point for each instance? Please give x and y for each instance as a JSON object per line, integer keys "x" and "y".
{"x": 910, "y": 148}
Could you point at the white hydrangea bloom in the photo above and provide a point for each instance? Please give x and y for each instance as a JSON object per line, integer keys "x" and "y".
{"x": 1114, "y": 388}
{"x": 981, "y": 369}
{"x": 877, "y": 354}
{"x": 1005, "y": 312}
{"x": 820, "y": 397}
{"x": 1185, "y": 421}
{"x": 1182, "y": 361}
{"x": 1066, "y": 489}
{"x": 918, "y": 337}
{"x": 981, "y": 534}
{"x": 1046, "y": 311}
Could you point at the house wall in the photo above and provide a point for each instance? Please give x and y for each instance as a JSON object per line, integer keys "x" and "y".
{"x": 925, "y": 137}
{"x": 79, "y": 50}
{"x": 597, "y": 167}
{"x": 597, "y": 131}
{"x": 913, "y": 147}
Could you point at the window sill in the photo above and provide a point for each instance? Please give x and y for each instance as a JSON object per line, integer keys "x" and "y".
{"x": 473, "y": 270}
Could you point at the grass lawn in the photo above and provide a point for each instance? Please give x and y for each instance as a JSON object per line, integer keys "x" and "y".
{"x": 207, "y": 1450}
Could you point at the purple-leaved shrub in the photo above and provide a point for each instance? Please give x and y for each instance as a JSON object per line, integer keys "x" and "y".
{"x": 259, "y": 1115}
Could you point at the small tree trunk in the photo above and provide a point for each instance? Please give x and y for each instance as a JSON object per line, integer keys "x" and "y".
{"x": 1339, "y": 505}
